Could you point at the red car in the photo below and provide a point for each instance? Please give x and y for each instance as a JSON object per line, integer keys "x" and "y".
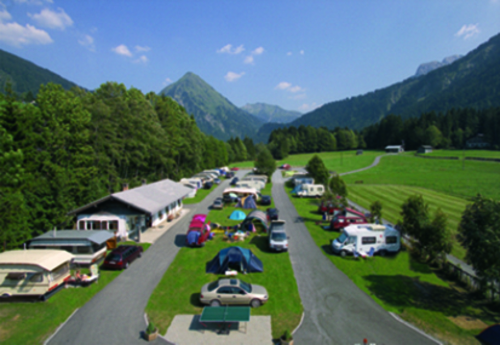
{"x": 122, "y": 256}
{"x": 197, "y": 236}
{"x": 235, "y": 169}
{"x": 349, "y": 217}
{"x": 286, "y": 167}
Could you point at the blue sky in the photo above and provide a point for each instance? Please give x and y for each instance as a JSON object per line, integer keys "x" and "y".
{"x": 295, "y": 54}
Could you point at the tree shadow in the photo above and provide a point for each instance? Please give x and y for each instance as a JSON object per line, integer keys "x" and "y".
{"x": 180, "y": 240}
{"x": 418, "y": 267}
{"x": 262, "y": 242}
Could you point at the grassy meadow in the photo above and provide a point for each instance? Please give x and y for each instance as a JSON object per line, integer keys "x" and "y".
{"x": 465, "y": 153}
{"x": 33, "y": 322}
{"x": 406, "y": 287}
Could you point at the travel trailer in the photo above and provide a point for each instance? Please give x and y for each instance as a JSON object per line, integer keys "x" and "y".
{"x": 33, "y": 272}
{"x": 258, "y": 185}
{"x": 311, "y": 190}
{"x": 362, "y": 239}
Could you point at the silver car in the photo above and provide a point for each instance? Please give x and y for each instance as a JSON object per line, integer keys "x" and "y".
{"x": 233, "y": 291}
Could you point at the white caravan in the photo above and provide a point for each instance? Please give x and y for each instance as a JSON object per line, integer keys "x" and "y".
{"x": 362, "y": 238}
{"x": 259, "y": 185}
{"x": 314, "y": 190}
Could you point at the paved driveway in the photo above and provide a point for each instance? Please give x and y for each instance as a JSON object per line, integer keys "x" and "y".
{"x": 116, "y": 314}
{"x": 336, "y": 310}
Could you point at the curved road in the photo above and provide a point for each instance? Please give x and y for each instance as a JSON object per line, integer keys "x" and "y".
{"x": 336, "y": 310}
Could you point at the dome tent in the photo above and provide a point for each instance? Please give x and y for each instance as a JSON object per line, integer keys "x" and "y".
{"x": 234, "y": 258}
{"x": 256, "y": 214}
{"x": 490, "y": 335}
{"x": 247, "y": 202}
{"x": 237, "y": 215}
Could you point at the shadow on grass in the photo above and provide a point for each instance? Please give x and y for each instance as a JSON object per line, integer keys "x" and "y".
{"x": 180, "y": 240}
{"x": 419, "y": 267}
{"x": 195, "y": 300}
{"x": 262, "y": 242}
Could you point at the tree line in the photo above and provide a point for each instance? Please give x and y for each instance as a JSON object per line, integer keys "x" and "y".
{"x": 68, "y": 148}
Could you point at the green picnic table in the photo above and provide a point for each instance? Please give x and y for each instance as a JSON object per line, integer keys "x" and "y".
{"x": 225, "y": 315}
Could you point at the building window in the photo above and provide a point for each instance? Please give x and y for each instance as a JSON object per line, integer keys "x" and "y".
{"x": 113, "y": 225}
{"x": 81, "y": 225}
{"x": 104, "y": 225}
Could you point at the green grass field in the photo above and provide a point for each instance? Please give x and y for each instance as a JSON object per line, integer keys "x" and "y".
{"x": 178, "y": 291}
{"x": 466, "y": 153}
{"x": 393, "y": 196}
{"x": 405, "y": 286}
{"x": 32, "y": 323}
{"x": 446, "y": 176}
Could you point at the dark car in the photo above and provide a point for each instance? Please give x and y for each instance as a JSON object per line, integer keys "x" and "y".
{"x": 229, "y": 175}
{"x": 208, "y": 184}
{"x": 122, "y": 257}
{"x": 234, "y": 181}
{"x": 217, "y": 180}
{"x": 265, "y": 200}
{"x": 272, "y": 214}
{"x": 227, "y": 198}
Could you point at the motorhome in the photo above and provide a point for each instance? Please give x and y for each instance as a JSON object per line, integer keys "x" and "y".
{"x": 33, "y": 272}
{"x": 242, "y": 192}
{"x": 215, "y": 173}
{"x": 343, "y": 218}
{"x": 361, "y": 239}
{"x": 258, "y": 185}
{"x": 87, "y": 246}
{"x": 297, "y": 181}
{"x": 252, "y": 177}
{"x": 194, "y": 181}
{"x": 311, "y": 190}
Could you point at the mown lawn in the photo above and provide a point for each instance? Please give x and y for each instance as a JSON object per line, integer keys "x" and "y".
{"x": 466, "y": 153}
{"x": 33, "y": 322}
{"x": 445, "y": 176}
{"x": 392, "y": 197}
{"x": 178, "y": 291}
{"x": 406, "y": 287}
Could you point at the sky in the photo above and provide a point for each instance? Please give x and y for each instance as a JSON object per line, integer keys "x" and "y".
{"x": 298, "y": 54}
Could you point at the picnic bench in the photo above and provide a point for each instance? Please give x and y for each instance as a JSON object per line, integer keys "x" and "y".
{"x": 224, "y": 316}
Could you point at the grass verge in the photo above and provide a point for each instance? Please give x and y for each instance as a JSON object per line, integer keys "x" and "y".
{"x": 34, "y": 322}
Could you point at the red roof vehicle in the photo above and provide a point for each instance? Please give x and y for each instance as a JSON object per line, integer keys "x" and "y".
{"x": 346, "y": 218}
{"x": 235, "y": 169}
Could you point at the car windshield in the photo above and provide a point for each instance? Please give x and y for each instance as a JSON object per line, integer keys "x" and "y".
{"x": 342, "y": 238}
{"x": 277, "y": 226}
{"x": 245, "y": 286}
{"x": 113, "y": 257}
{"x": 213, "y": 286}
{"x": 278, "y": 236}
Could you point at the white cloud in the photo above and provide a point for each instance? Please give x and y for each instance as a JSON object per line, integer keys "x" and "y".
{"x": 142, "y": 49}
{"x": 142, "y": 59}
{"x": 167, "y": 81}
{"x": 300, "y": 96}
{"x": 289, "y": 54}
{"x": 301, "y": 52}
{"x": 231, "y": 76}
{"x": 295, "y": 89}
{"x": 88, "y": 42}
{"x": 258, "y": 51}
{"x": 4, "y": 16}
{"x": 228, "y": 49}
{"x": 248, "y": 59}
{"x": 18, "y": 35}
{"x": 309, "y": 107}
{"x": 283, "y": 85}
{"x": 53, "y": 20}
{"x": 33, "y": 2}
{"x": 468, "y": 31}
{"x": 122, "y": 50}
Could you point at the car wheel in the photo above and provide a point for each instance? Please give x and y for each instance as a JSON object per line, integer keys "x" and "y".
{"x": 140, "y": 254}
{"x": 343, "y": 253}
{"x": 255, "y": 303}
{"x": 215, "y": 303}
{"x": 383, "y": 252}
{"x": 126, "y": 265}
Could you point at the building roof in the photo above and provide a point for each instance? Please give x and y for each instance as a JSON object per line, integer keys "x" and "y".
{"x": 45, "y": 258}
{"x": 149, "y": 198}
{"x": 427, "y": 147}
{"x": 393, "y": 147}
{"x": 95, "y": 236}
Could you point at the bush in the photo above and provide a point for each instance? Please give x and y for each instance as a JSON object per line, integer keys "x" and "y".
{"x": 151, "y": 328}
{"x": 287, "y": 336}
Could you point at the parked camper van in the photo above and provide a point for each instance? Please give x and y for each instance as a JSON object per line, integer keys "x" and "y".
{"x": 258, "y": 185}
{"x": 33, "y": 272}
{"x": 278, "y": 240}
{"x": 362, "y": 238}
{"x": 297, "y": 181}
{"x": 311, "y": 190}
{"x": 345, "y": 218}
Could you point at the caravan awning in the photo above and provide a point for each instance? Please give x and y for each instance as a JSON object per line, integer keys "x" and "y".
{"x": 62, "y": 243}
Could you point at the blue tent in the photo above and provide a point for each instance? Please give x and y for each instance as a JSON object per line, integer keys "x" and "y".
{"x": 238, "y": 258}
{"x": 237, "y": 215}
{"x": 247, "y": 202}
{"x": 490, "y": 335}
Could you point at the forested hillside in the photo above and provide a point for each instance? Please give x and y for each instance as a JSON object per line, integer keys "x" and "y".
{"x": 25, "y": 77}
{"x": 470, "y": 82}
{"x": 72, "y": 147}
{"x": 214, "y": 114}
{"x": 271, "y": 113}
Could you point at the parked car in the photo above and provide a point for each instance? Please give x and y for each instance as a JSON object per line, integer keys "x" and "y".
{"x": 197, "y": 235}
{"x": 285, "y": 167}
{"x": 208, "y": 184}
{"x": 265, "y": 200}
{"x": 233, "y": 291}
{"x": 217, "y": 180}
{"x": 278, "y": 240}
{"x": 235, "y": 169}
{"x": 234, "y": 181}
{"x": 227, "y": 198}
{"x": 218, "y": 204}
{"x": 272, "y": 214}
{"x": 229, "y": 174}
{"x": 346, "y": 218}
{"x": 122, "y": 256}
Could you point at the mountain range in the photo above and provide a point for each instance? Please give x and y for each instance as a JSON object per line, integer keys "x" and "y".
{"x": 25, "y": 76}
{"x": 271, "y": 113}
{"x": 214, "y": 114}
{"x": 431, "y": 66}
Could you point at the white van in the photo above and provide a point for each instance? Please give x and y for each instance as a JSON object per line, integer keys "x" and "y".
{"x": 312, "y": 190}
{"x": 278, "y": 240}
{"x": 33, "y": 272}
{"x": 362, "y": 238}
